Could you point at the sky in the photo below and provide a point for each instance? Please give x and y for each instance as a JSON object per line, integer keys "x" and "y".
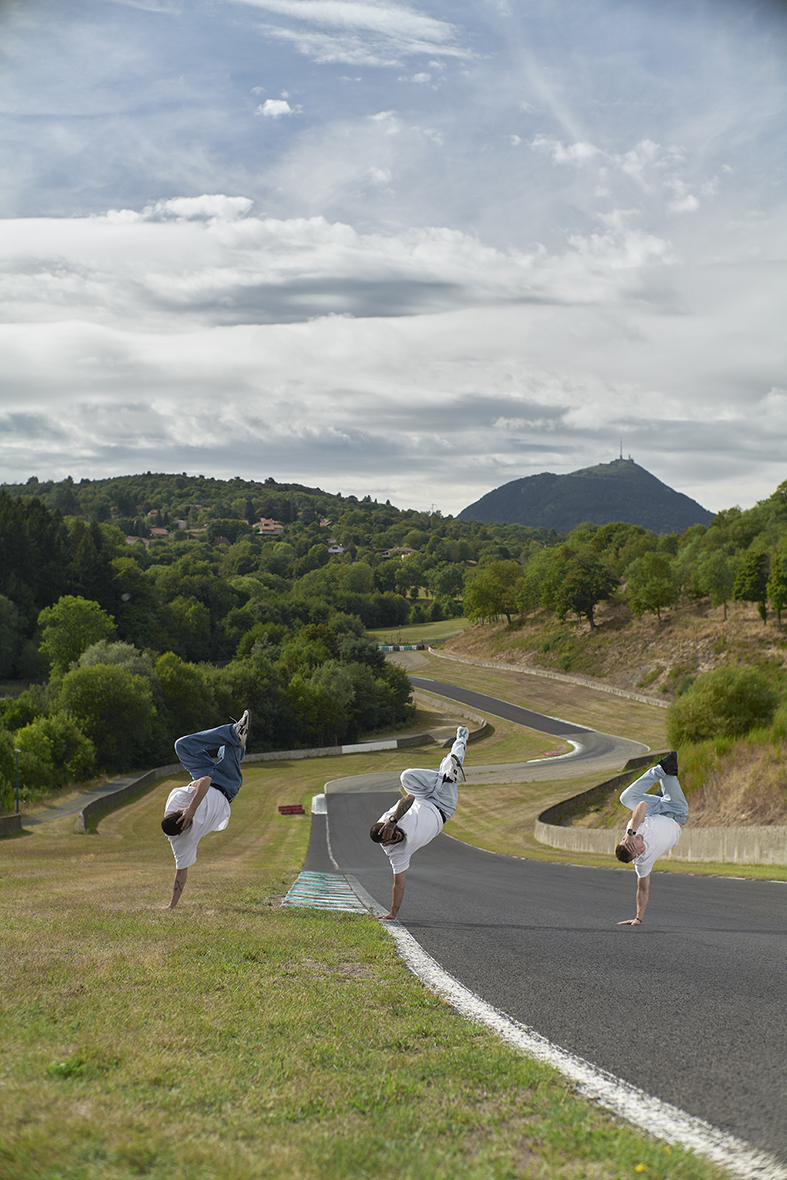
{"x": 411, "y": 251}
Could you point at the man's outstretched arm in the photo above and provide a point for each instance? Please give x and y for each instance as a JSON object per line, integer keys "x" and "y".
{"x": 178, "y": 885}
{"x": 643, "y": 887}
{"x": 397, "y": 893}
{"x": 637, "y": 817}
{"x": 201, "y": 788}
{"x": 401, "y": 807}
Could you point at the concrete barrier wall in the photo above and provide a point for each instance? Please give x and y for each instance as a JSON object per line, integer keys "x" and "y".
{"x": 578, "y": 803}
{"x": 9, "y": 824}
{"x": 104, "y": 802}
{"x": 526, "y": 670}
{"x": 745, "y": 846}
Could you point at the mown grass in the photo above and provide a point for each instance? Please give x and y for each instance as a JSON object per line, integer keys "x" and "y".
{"x": 597, "y": 709}
{"x": 235, "y": 1039}
{"x": 419, "y": 632}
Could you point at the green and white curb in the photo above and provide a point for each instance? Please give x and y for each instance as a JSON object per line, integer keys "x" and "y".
{"x": 325, "y": 891}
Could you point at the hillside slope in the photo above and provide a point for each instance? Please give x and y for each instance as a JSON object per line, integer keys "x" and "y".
{"x": 644, "y": 655}
{"x": 740, "y": 784}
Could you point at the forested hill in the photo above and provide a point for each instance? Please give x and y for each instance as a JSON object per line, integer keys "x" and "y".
{"x": 164, "y": 601}
{"x": 127, "y": 500}
{"x": 607, "y": 493}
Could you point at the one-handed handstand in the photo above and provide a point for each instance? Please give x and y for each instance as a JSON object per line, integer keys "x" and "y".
{"x": 430, "y": 798}
{"x": 204, "y": 805}
{"x": 654, "y": 826}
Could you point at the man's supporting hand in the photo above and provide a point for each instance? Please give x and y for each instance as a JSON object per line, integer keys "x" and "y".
{"x": 643, "y": 889}
{"x": 397, "y": 893}
{"x": 178, "y": 885}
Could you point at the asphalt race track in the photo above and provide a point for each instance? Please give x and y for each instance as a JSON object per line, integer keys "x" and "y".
{"x": 690, "y": 1007}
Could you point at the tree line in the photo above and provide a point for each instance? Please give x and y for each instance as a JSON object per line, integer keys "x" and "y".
{"x": 739, "y": 557}
{"x": 129, "y": 645}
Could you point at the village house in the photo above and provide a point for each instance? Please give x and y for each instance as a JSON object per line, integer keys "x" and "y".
{"x": 268, "y": 527}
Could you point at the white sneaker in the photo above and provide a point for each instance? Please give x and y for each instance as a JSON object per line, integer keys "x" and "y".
{"x": 451, "y": 769}
{"x": 242, "y": 728}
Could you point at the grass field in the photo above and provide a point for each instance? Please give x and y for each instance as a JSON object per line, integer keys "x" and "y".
{"x": 235, "y": 1039}
{"x": 420, "y": 632}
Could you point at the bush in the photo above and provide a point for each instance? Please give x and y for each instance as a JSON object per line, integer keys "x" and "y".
{"x": 187, "y": 695}
{"x": 7, "y": 772}
{"x": 114, "y": 709}
{"x": 53, "y": 753}
{"x": 727, "y": 702}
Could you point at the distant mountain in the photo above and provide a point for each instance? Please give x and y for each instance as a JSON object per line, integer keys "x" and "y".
{"x": 620, "y": 490}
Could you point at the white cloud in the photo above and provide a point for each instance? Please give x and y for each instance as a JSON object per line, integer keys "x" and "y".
{"x": 370, "y": 32}
{"x": 573, "y": 153}
{"x": 505, "y": 309}
{"x": 526, "y": 361}
{"x": 215, "y": 205}
{"x": 274, "y": 108}
{"x": 389, "y": 19}
{"x": 687, "y": 204}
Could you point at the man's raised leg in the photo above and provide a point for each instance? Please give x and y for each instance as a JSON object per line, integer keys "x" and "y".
{"x": 193, "y": 751}
{"x": 448, "y": 767}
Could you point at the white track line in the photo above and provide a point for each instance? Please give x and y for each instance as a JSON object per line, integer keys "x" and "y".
{"x": 650, "y": 1114}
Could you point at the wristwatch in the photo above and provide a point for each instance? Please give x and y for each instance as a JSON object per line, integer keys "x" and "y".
{"x": 630, "y": 832}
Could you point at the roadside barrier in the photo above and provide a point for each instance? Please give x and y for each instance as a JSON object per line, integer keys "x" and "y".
{"x": 744, "y": 846}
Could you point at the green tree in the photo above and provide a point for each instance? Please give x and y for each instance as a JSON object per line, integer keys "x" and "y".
{"x": 777, "y": 584}
{"x": 10, "y": 637}
{"x": 253, "y": 683}
{"x": 385, "y": 575}
{"x": 447, "y": 580}
{"x": 114, "y": 709}
{"x": 714, "y": 576}
{"x": 54, "y": 752}
{"x": 535, "y": 572}
{"x": 90, "y": 566}
{"x": 186, "y": 625}
{"x": 70, "y": 627}
{"x": 492, "y": 591}
{"x": 751, "y": 581}
{"x": 577, "y": 582}
{"x": 137, "y": 601}
{"x": 125, "y": 655}
{"x": 317, "y": 710}
{"x": 651, "y": 584}
{"x": 7, "y": 771}
{"x": 186, "y": 693}
{"x": 727, "y": 702}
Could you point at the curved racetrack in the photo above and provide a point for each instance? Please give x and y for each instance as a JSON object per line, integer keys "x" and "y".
{"x": 690, "y": 1007}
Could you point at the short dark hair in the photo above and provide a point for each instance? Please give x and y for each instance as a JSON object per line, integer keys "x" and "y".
{"x": 172, "y": 823}
{"x": 376, "y": 832}
{"x": 623, "y": 853}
